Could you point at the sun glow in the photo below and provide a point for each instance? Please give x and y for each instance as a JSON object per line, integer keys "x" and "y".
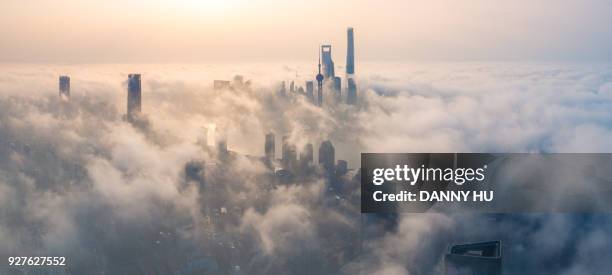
{"x": 214, "y": 6}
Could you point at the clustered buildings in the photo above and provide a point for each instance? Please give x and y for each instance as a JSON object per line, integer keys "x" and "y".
{"x": 290, "y": 165}
{"x": 230, "y": 252}
{"x": 327, "y": 79}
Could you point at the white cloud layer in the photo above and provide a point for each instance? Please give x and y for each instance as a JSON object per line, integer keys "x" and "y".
{"x": 77, "y": 180}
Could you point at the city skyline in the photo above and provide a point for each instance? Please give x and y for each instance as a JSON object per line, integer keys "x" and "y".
{"x": 216, "y": 31}
{"x": 134, "y": 171}
{"x": 252, "y": 136}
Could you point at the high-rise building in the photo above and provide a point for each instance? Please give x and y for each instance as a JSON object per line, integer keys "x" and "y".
{"x": 64, "y": 87}
{"x": 283, "y": 89}
{"x": 475, "y": 258}
{"x": 338, "y": 88}
{"x": 351, "y": 95}
{"x": 289, "y": 153}
{"x": 310, "y": 91}
{"x": 269, "y": 147}
{"x": 221, "y": 84}
{"x": 238, "y": 81}
{"x": 341, "y": 167}
{"x": 222, "y": 151}
{"x": 292, "y": 87}
{"x": 285, "y": 150}
{"x": 222, "y": 148}
{"x": 307, "y": 155}
{"x": 337, "y": 83}
{"x": 328, "y": 63}
{"x": 194, "y": 171}
{"x": 293, "y": 161}
{"x": 134, "y": 96}
{"x": 327, "y": 156}
{"x": 350, "y": 52}
{"x": 319, "y": 84}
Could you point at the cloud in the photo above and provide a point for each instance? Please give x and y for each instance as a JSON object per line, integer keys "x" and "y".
{"x": 281, "y": 227}
{"x": 76, "y": 179}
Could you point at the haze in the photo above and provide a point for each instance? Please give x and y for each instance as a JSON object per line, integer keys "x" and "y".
{"x": 272, "y": 30}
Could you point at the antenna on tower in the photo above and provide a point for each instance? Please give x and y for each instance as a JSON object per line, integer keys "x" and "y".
{"x": 319, "y": 59}
{"x": 320, "y": 82}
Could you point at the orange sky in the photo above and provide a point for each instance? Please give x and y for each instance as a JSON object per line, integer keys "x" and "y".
{"x": 274, "y": 30}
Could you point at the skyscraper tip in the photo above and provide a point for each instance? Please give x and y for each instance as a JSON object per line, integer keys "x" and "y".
{"x": 350, "y": 51}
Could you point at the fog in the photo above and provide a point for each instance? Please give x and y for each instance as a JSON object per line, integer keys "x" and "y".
{"x": 77, "y": 180}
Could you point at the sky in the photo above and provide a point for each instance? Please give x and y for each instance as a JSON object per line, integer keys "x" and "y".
{"x": 272, "y": 30}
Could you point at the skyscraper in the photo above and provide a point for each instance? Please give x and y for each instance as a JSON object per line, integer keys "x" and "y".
{"x": 310, "y": 91}
{"x": 474, "y": 258}
{"x": 319, "y": 84}
{"x": 337, "y": 83}
{"x": 221, "y": 84}
{"x": 194, "y": 171}
{"x": 238, "y": 81}
{"x": 289, "y": 159}
{"x": 134, "y": 96}
{"x": 64, "y": 87}
{"x": 327, "y": 156}
{"x": 328, "y": 63}
{"x": 338, "y": 88}
{"x": 269, "y": 147}
{"x": 222, "y": 149}
{"x": 351, "y": 95}
{"x": 283, "y": 89}
{"x": 350, "y": 52}
{"x": 307, "y": 155}
{"x": 221, "y": 135}
{"x": 293, "y": 161}
{"x": 341, "y": 167}
{"x": 285, "y": 150}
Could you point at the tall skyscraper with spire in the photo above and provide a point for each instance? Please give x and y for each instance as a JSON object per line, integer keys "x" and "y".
{"x": 351, "y": 95}
{"x": 320, "y": 84}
